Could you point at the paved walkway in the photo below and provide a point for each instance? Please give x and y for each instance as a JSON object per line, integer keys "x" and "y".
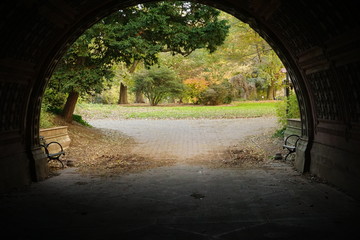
{"x": 186, "y": 139}
{"x": 182, "y": 201}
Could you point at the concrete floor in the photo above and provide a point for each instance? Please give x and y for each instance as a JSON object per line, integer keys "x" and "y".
{"x": 181, "y": 202}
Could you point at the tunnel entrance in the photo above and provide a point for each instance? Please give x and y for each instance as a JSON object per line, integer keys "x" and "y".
{"x": 254, "y": 73}
{"x": 319, "y": 53}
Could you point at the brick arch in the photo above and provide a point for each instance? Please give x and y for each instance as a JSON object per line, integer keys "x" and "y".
{"x": 318, "y": 41}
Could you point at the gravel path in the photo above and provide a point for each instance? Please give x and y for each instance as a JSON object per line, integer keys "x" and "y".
{"x": 186, "y": 139}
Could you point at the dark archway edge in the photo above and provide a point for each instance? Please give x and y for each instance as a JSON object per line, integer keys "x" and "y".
{"x": 318, "y": 42}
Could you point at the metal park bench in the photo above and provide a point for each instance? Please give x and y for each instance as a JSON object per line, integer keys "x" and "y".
{"x": 53, "y": 150}
{"x": 290, "y": 144}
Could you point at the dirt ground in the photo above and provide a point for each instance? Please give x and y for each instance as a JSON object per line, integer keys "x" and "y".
{"x": 106, "y": 152}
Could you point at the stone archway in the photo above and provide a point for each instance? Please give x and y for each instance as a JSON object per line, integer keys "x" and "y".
{"x": 318, "y": 43}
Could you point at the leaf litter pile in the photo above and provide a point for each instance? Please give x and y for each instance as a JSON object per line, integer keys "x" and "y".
{"x": 254, "y": 151}
{"x": 105, "y": 152}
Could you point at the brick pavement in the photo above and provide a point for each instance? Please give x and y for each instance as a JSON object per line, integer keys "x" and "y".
{"x": 186, "y": 139}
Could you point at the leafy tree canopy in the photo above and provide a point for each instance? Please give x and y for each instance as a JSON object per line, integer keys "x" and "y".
{"x": 142, "y": 31}
{"x": 133, "y": 34}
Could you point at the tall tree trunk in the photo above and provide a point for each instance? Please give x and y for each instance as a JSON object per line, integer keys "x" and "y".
{"x": 139, "y": 97}
{"x": 270, "y": 92}
{"x": 123, "y": 98}
{"x": 274, "y": 93}
{"x": 123, "y": 95}
{"x": 69, "y": 107}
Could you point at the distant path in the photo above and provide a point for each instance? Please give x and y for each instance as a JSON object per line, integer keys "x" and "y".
{"x": 186, "y": 139}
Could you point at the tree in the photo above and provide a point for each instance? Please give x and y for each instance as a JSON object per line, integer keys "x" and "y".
{"x": 81, "y": 71}
{"x": 270, "y": 70}
{"x": 133, "y": 35}
{"x": 241, "y": 87}
{"x": 156, "y": 83}
{"x": 141, "y": 32}
{"x": 243, "y": 53}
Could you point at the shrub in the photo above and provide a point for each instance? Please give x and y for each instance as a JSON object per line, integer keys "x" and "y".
{"x": 293, "y": 111}
{"x": 216, "y": 94}
{"x": 53, "y": 99}
{"x": 46, "y": 119}
{"x": 194, "y": 88}
{"x": 78, "y": 118}
{"x": 292, "y": 106}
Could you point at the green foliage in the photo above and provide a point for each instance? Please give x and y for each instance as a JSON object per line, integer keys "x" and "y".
{"x": 281, "y": 113}
{"x": 157, "y": 83}
{"x": 82, "y": 69}
{"x": 288, "y": 108}
{"x": 53, "y": 98}
{"x": 46, "y": 119}
{"x": 79, "y": 119}
{"x": 294, "y": 111}
{"x": 142, "y": 31}
{"x": 138, "y": 33}
{"x": 269, "y": 69}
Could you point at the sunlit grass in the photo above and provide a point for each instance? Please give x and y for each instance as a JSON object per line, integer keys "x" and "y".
{"x": 235, "y": 110}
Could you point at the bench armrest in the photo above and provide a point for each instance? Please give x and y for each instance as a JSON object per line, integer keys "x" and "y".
{"x": 293, "y": 136}
{"x": 58, "y": 152}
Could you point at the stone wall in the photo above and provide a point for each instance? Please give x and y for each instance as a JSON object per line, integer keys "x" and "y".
{"x": 57, "y": 134}
{"x": 293, "y": 127}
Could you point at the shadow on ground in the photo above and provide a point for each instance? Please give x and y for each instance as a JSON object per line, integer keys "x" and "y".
{"x": 218, "y": 195}
{"x": 181, "y": 202}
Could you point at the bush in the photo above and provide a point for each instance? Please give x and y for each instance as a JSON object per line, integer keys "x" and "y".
{"x": 53, "y": 99}
{"x": 216, "y": 94}
{"x": 78, "y": 118}
{"x": 194, "y": 87}
{"x": 46, "y": 119}
{"x": 291, "y": 104}
{"x": 294, "y": 111}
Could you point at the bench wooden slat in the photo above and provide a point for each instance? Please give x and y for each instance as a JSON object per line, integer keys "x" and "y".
{"x": 289, "y": 147}
{"x": 55, "y": 154}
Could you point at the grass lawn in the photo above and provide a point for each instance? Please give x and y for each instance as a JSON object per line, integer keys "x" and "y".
{"x": 174, "y": 111}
